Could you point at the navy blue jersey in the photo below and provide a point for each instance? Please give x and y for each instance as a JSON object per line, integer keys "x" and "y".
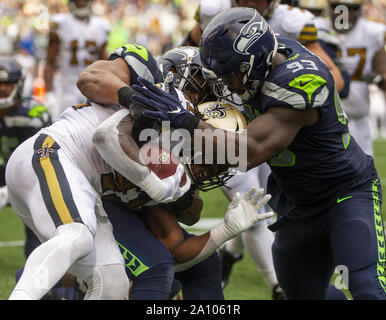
{"x": 20, "y": 123}
{"x": 140, "y": 61}
{"x": 323, "y": 162}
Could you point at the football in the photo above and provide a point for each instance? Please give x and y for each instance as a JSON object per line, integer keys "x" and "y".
{"x": 161, "y": 161}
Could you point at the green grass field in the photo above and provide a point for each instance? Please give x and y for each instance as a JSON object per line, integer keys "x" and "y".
{"x": 245, "y": 284}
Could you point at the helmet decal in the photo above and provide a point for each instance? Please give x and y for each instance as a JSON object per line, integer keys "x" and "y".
{"x": 187, "y": 52}
{"x": 249, "y": 34}
{"x": 216, "y": 110}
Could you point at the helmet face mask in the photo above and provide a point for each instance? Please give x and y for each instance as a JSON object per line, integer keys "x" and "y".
{"x": 206, "y": 177}
{"x": 189, "y": 75}
{"x": 201, "y": 85}
{"x": 11, "y": 82}
{"x": 194, "y": 84}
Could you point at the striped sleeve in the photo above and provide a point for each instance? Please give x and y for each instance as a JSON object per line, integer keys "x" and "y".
{"x": 309, "y": 33}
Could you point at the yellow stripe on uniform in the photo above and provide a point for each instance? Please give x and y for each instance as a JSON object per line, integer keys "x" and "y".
{"x": 309, "y": 29}
{"x": 53, "y": 185}
{"x": 308, "y": 38}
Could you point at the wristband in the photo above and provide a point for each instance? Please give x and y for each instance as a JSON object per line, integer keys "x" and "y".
{"x": 124, "y": 96}
{"x": 190, "y": 123}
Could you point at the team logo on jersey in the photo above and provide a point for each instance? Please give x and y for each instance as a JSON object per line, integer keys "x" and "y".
{"x": 249, "y": 34}
{"x": 216, "y": 111}
{"x": 45, "y": 152}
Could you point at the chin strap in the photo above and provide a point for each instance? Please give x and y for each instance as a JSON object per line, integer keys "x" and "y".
{"x": 251, "y": 86}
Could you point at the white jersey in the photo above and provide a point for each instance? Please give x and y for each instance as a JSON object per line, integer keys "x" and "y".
{"x": 294, "y": 23}
{"x": 73, "y": 132}
{"x": 358, "y": 48}
{"x": 80, "y": 42}
{"x": 325, "y": 31}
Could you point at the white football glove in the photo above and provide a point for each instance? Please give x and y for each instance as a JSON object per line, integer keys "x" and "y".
{"x": 242, "y": 213}
{"x": 3, "y": 197}
{"x": 168, "y": 189}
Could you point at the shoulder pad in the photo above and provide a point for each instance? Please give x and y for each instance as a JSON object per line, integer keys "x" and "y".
{"x": 135, "y": 49}
{"x": 140, "y": 61}
{"x": 298, "y": 83}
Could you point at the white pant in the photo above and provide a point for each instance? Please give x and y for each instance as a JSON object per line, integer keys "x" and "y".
{"x": 257, "y": 240}
{"x": 360, "y": 129}
{"x": 51, "y": 191}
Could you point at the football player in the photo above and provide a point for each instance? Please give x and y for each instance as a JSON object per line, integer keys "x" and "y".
{"x": 325, "y": 189}
{"x": 200, "y": 86}
{"x": 148, "y": 270}
{"x": 284, "y": 19}
{"x": 76, "y": 39}
{"x": 21, "y": 118}
{"x": 327, "y": 37}
{"x": 56, "y": 191}
{"x": 151, "y": 241}
{"x": 363, "y": 56}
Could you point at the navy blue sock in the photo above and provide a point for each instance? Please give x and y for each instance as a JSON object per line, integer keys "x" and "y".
{"x": 154, "y": 283}
{"x": 366, "y": 284}
{"x": 203, "y": 280}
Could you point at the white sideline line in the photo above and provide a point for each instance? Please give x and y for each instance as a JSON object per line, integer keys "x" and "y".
{"x": 203, "y": 224}
{"x": 17, "y": 243}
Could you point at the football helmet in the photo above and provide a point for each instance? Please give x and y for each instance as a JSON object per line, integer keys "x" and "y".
{"x": 189, "y": 75}
{"x": 223, "y": 116}
{"x": 355, "y": 11}
{"x": 267, "y": 12}
{"x": 80, "y": 8}
{"x": 239, "y": 44}
{"x": 314, "y": 6}
{"x": 11, "y": 72}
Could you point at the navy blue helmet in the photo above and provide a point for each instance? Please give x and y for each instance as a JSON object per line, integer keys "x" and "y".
{"x": 11, "y": 72}
{"x": 239, "y": 40}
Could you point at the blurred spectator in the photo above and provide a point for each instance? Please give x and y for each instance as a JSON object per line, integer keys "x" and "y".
{"x": 157, "y": 24}
{"x": 76, "y": 39}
